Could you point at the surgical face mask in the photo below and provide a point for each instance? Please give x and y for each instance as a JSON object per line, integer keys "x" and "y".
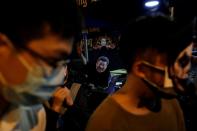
{"x": 39, "y": 84}
{"x": 28, "y": 96}
{"x": 37, "y": 87}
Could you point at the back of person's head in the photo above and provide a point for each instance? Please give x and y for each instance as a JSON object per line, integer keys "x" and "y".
{"x": 23, "y": 20}
{"x": 158, "y": 34}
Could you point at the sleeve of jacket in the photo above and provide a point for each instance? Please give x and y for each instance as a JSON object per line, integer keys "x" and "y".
{"x": 52, "y": 118}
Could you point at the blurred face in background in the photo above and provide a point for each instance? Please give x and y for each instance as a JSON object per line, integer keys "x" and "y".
{"x": 182, "y": 66}
{"x": 101, "y": 66}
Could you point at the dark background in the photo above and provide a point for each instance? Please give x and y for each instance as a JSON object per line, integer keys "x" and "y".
{"x": 113, "y": 14}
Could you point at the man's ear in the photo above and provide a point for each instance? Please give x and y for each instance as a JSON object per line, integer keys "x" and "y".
{"x": 138, "y": 69}
{"x": 5, "y": 41}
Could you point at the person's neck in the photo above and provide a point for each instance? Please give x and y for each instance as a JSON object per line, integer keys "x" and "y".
{"x": 136, "y": 88}
{"x": 130, "y": 95}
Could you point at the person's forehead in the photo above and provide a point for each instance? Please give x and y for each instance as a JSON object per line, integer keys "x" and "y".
{"x": 101, "y": 60}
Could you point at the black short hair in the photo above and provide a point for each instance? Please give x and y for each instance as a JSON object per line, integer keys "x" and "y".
{"x": 22, "y": 20}
{"x": 157, "y": 32}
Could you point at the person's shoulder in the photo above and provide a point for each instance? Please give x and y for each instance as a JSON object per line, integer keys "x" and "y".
{"x": 103, "y": 116}
{"x": 107, "y": 106}
{"x": 172, "y": 104}
{"x": 172, "y": 101}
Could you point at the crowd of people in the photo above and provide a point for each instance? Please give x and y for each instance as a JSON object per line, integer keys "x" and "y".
{"x": 39, "y": 91}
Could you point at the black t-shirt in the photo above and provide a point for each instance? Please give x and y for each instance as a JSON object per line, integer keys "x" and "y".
{"x": 96, "y": 78}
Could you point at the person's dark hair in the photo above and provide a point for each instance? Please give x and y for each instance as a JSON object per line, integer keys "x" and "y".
{"x": 23, "y": 20}
{"x": 103, "y": 58}
{"x": 151, "y": 32}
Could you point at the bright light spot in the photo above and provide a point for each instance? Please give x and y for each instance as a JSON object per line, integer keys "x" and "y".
{"x": 152, "y": 3}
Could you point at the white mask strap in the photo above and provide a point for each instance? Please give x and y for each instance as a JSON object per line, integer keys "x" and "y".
{"x": 167, "y": 81}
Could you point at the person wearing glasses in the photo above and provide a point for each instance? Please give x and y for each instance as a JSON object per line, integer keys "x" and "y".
{"x": 34, "y": 37}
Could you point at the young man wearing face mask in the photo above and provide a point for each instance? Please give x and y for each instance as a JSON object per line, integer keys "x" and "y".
{"x": 144, "y": 102}
{"x": 34, "y": 37}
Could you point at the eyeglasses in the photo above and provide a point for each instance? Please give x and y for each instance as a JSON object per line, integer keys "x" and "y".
{"x": 63, "y": 63}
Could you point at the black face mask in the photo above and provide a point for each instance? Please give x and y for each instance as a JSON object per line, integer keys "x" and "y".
{"x": 166, "y": 93}
{"x": 170, "y": 93}
{"x": 154, "y": 104}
